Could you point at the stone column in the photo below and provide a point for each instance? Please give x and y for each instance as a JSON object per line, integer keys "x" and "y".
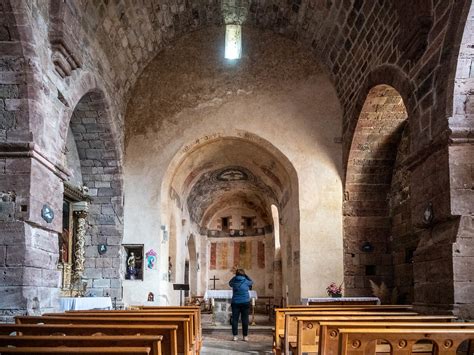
{"x": 80, "y": 210}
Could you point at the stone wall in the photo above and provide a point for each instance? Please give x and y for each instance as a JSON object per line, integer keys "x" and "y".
{"x": 361, "y": 44}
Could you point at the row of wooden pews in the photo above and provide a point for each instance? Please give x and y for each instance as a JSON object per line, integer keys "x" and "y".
{"x": 368, "y": 329}
{"x": 139, "y": 330}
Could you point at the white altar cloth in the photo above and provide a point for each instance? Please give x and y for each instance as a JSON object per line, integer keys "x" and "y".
{"x": 84, "y": 303}
{"x": 305, "y": 301}
{"x": 224, "y": 294}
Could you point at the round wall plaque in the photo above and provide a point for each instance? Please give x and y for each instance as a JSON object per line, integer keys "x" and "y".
{"x": 47, "y": 213}
{"x": 102, "y": 248}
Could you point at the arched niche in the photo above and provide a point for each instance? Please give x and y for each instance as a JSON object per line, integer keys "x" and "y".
{"x": 376, "y": 205}
{"x": 95, "y": 196}
{"x": 228, "y": 173}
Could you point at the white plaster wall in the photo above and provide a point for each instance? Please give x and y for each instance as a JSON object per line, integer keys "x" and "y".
{"x": 300, "y": 116}
{"x": 300, "y": 124}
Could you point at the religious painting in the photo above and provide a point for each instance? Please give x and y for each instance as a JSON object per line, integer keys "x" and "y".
{"x": 243, "y": 254}
{"x": 213, "y": 255}
{"x": 222, "y": 256}
{"x": 236, "y": 254}
{"x": 151, "y": 257}
{"x": 261, "y": 255}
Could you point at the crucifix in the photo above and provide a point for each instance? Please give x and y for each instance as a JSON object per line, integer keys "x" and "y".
{"x": 214, "y": 279}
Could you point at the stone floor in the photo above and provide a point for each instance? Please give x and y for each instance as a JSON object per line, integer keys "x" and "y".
{"x": 220, "y": 344}
{"x": 217, "y": 338}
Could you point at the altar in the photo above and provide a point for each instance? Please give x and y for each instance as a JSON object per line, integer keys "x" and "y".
{"x": 84, "y": 303}
{"x": 220, "y": 302}
{"x": 340, "y": 300}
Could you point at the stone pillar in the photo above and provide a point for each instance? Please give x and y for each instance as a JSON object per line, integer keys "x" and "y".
{"x": 30, "y": 279}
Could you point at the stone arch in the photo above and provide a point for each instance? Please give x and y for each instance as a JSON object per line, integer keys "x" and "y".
{"x": 19, "y": 44}
{"x": 102, "y": 177}
{"x": 395, "y": 77}
{"x": 179, "y": 182}
{"x": 461, "y": 171}
{"x": 370, "y": 168}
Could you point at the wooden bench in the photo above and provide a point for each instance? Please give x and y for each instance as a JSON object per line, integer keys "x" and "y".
{"x": 196, "y": 309}
{"x": 167, "y": 332}
{"x": 184, "y": 337}
{"x": 362, "y": 341}
{"x": 75, "y": 350}
{"x": 329, "y": 333}
{"x": 289, "y": 331}
{"x": 193, "y": 312}
{"x": 308, "y": 328}
{"x": 194, "y": 329}
{"x": 280, "y": 312}
{"x": 120, "y": 341}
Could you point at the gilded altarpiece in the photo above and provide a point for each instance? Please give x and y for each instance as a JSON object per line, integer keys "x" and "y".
{"x": 72, "y": 241}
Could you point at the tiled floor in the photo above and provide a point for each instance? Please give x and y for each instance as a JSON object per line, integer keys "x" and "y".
{"x": 222, "y": 344}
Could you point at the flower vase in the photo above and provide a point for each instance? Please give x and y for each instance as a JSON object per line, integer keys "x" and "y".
{"x": 337, "y": 295}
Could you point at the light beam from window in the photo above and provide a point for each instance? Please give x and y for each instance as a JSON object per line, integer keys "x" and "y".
{"x": 233, "y": 41}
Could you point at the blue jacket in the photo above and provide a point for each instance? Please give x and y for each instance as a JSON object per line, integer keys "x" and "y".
{"x": 240, "y": 288}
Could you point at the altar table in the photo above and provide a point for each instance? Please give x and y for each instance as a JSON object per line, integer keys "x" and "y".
{"x": 221, "y": 306}
{"x": 224, "y": 294}
{"x": 84, "y": 303}
{"x": 341, "y": 300}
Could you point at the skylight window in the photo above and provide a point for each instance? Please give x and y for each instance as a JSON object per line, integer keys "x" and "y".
{"x": 233, "y": 41}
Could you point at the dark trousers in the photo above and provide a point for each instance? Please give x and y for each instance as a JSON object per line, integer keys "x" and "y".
{"x": 237, "y": 310}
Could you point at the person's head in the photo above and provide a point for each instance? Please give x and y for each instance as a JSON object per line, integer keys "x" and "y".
{"x": 240, "y": 272}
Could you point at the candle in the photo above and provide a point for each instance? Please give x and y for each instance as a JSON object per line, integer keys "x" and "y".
{"x": 253, "y": 301}
{"x": 212, "y": 302}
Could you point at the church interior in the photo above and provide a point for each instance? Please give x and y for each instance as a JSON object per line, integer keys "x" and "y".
{"x": 150, "y": 148}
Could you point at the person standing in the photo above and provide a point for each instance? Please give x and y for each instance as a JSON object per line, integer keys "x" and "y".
{"x": 241, "y": 284}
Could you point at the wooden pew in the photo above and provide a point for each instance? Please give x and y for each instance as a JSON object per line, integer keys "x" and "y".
{"x": 197, "y": 310}
{"x": 378, "y": 307}
{"x": 280, "y": 312}
{"x": 192, "y": 311}
{"x": 309, "y": 326}
{"x": 360, "y": 340}
{"x": 121, "y": 341}
{"x": 184, "y": 344}
{"x": 194, "y": 329}
{"x": 167, "y": 332}
{"x": 75, "y": 351}
{"x": 329, "y": 333}
{"x": 290, "y": 328}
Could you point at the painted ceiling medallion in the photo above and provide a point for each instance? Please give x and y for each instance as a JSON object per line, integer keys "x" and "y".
{"x": 232, "y": 174}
